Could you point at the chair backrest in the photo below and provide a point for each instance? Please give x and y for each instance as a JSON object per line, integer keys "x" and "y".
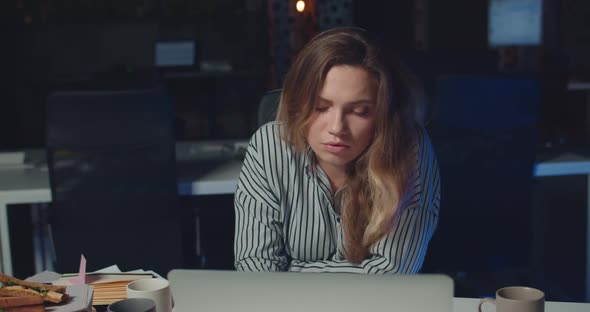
{"x": 269, "y": 104}
{"x": 111, "y": 160}
{"x": 487, "y": 102}
{"x": 484, "y": 135}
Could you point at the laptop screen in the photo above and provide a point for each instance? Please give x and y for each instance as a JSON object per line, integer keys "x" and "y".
{"x": 203, "y": 290}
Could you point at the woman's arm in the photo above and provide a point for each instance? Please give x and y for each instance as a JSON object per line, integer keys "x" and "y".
{"x": 258, "y": 243}
{"x": 402, "y": 251}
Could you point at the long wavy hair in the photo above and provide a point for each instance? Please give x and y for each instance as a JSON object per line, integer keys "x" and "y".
{"x": 378, "y": 178}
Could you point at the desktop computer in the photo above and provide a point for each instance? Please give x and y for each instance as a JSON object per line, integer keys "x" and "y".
{"x": 515, "y": 23}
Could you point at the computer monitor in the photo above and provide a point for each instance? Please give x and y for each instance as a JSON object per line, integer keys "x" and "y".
{"x": 177, "y": 53}
{"x": 515, "y": 22}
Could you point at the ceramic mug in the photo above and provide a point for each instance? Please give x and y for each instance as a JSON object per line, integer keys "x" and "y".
{"x": 517, "y": 299}
{"x": 156, "y": 289}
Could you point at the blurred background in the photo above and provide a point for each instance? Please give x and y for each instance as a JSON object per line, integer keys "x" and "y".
{"x": 503, "y": 87}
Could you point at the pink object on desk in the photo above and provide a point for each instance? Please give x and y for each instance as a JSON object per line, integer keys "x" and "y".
{"x": 81, "y": 278}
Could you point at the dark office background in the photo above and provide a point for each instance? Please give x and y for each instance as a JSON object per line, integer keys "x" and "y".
{"x": 74, "y": 44}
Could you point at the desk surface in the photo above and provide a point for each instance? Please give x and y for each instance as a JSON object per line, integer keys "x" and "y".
{"x": 31, "y": 185}
{"x": 578, "y": 86}
{"x": 203, "y": 168}
{"x": 564, "y": 164}
{"x": 470, "y": 305}
{"x": 24, "y": 186}
{"x": 14, "y": 179}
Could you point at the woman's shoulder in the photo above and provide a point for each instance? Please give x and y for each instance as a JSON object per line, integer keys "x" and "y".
{"x": 269, "y": 138}
{"x": 423, "y": 142}
{"x": 422, "y": 137}
{"x": 426, "y": 175}
{"x": 269, "y": 133}
{"x": 424, "y": 152}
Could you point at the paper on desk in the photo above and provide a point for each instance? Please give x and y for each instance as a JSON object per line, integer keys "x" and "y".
{"x": 45, "y": 277}
{"x": 107, "y": 275}
{"x": 115, "y": 269}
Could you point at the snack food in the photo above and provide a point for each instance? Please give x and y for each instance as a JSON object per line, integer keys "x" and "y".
{"x": 20, "y": 301}
{"x": 16, "y": 288}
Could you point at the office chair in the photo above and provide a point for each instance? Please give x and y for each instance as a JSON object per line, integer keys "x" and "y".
{"x": 484, "y": 134}
{"x": 268, "y": 106}
{"x": 111, "y": 161}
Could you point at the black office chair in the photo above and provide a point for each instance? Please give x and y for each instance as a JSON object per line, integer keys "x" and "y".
{"x": 484, "y": 134}
{"x": 111, "y": 160}
{"x": 268, "y": 106}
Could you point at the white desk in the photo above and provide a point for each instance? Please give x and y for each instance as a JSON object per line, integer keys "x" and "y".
{"x": 31, "y": 185}
{"x": 578, "y": 86}
{"x": 470, "y": 305}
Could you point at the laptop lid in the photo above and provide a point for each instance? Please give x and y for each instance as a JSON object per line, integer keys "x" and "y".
{"x": 204, "y": 290}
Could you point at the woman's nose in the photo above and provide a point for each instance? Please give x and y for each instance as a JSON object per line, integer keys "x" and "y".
{"x": 337, "y": 123}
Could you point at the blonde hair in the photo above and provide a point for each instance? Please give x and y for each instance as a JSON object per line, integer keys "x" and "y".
{"x": 378, "y": 178}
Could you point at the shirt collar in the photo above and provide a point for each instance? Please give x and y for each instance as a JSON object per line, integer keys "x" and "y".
{"x": 313, "y": 170}
{"x": 310, "y": 162}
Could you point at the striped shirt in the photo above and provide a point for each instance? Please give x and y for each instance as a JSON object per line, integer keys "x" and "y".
{"x": 286, "y": 219}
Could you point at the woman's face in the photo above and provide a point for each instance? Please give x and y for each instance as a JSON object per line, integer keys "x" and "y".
{"x": 342, "y": 124}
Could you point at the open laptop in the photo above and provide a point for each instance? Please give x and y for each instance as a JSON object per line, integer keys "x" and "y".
{"x": 207, "y": 291}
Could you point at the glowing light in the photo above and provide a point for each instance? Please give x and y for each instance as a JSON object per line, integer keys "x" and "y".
{"x": 300, "y": 6}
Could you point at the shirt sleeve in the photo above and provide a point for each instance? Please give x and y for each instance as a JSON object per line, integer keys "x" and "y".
{"x": 258, "y": 241}
{"x": 403, "y": 249}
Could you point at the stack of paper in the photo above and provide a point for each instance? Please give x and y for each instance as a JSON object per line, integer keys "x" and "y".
{"x": 112, "y": 287}
{"x": 108, "y": 286}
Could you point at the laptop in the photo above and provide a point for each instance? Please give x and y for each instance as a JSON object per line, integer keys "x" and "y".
{"x": 208, "y": 291}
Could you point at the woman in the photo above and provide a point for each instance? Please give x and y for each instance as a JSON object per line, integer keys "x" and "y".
{"x": 344, "y": 180}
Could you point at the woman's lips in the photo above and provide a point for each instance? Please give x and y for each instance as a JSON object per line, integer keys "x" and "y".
{"x": 335, "y": 147}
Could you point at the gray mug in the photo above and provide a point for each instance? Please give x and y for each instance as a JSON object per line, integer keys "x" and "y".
{"x": 133, "y": 305}
{"x": 517, "y": 299}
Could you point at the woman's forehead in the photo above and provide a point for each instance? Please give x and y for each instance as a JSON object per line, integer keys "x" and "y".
{"x": 349, "y": 82}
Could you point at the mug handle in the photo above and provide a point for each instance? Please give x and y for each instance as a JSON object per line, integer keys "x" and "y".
{"x": 481, "y": 302}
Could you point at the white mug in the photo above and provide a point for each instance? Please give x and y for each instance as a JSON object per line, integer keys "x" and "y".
{"x": 517, "y": 299}
{"x": 157, "y": 289}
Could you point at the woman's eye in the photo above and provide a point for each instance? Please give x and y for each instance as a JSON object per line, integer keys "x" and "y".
{"x": 321, "y": 108}
{"x": 361, "y": 112}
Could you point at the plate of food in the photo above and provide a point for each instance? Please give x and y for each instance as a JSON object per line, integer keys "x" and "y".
{"x": 18, "y": 295}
